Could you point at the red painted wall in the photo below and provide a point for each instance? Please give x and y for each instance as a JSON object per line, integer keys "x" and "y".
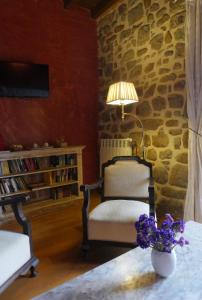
{"x": 42, "y": 31}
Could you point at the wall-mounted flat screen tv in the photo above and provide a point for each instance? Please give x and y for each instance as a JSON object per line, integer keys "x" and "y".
{"x": 19, "y": 79}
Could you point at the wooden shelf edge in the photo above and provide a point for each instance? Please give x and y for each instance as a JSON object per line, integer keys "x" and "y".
{"x": 41, "y": 152}
{"x": 44, "y": 187}
{"x": 54, "y": 185}
{"x": 15, "y": 193}
{"x": 38, "y": 171}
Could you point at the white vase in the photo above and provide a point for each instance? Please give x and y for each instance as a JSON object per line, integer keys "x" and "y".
{"x": 163, "y": 263}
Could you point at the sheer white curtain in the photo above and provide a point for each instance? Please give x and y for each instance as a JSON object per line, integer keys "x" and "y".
{"x": 193, "y": 204}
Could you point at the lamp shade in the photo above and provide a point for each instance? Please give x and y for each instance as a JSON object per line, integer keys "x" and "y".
{"x": 122, "y": 93}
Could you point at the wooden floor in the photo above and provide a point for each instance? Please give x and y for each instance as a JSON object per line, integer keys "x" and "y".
{"x": 57, "y": 235}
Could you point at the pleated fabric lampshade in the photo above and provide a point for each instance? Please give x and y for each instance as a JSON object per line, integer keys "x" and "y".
{"x": 122, "y": 93}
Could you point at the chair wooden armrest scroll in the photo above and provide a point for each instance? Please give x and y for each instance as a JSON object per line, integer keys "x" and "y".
{"x": 16, "y": 249}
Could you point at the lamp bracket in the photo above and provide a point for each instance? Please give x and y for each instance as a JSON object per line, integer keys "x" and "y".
{"x": 123, "y": 114}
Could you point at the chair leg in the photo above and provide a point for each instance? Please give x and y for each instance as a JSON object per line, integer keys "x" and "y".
{"x": 85, "y": 249}
{"x": 33, "y": 271}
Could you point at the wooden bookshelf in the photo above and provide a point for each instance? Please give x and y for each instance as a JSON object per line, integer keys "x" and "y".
{"x": 23, "y": 172}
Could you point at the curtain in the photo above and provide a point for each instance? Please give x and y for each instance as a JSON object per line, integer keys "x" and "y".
{"x": 193, "y": 203}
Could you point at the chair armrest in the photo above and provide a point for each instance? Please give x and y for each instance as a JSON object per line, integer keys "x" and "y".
{"x": 12, "y": 200}
{"x": 151, "y": 196}
{"x": 89, "y": 187}
{"x": 151, "y": 182}
{"x": 86, "y": 189}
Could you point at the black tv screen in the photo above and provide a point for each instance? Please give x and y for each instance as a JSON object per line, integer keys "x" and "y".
{"x": 19, "y": 79}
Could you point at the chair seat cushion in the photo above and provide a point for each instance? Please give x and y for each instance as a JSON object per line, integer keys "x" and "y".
{"x": 14, "y": 253}
{"x": 114, "y": 220}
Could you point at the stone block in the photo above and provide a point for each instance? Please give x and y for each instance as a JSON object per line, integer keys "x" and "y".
{"x": 179, "y": 175}
{"x": 129, "y": 55}
{"x": 177, "y": 142}
{"x": 168, "y": 114}
{"x": 143, "y": 35}
{"x": 152, "y": 154}
{"x": 163, "y": 71}
{"x": 135, "y": 14}
{"x": 149, "y": 68}
{"x": 172, "y": 123}
{"x": 169, "y": 53}
{"x": 125, "y": 34}
{"x": 179, "y": 85}
{"x": 159, "y": 103}
{"x": 171, "y": 206}
{"x": 169, "y": 77}
{"x": 177, "y": 66}
{"x": 144, "y": 109}
{"x": 160, "y": 175}
{"x": 163, "y": 20}
{"x": 122, "y": 9}
{"x": 173, "y": 193}
{"x": 150, "y": 91}
{"x": 137, "y": 70}
{"x": 177, "y": 19}
{"x": 152, "y": 124}
{"x": 160, "y": 140}
{"x": 168, "y": 37}
{"x": 162, "y": 88}
{"x": 182, "y": 158}
{"x": 176, "y": 131}
{"x": 161, "y": 12}
{"x": 176, "y": 100}
{"x": 118, "y": 28}
{"x": 141, "y": 51}
{"x": 126, "y": 126}
{"x": 147, "y": 3}
{"x": 154, "y": 7}
{"x": 166, "y": 154}
{"x": 157, "y": 41}
{"x": 179, "y": 34}
{"x": 147, "y": 140}
{"x": 180, "y": 50}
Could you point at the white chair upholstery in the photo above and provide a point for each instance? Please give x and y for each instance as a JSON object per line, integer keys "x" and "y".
{"x": 114, "y": 220}
{"x": 14, "y": 253}
{"x": 126, "y": 178}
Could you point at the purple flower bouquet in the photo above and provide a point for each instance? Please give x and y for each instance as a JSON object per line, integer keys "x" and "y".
{"x": 164, "y": 238}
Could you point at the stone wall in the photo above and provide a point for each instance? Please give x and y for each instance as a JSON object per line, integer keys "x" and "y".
{"x": 144, "y": 42}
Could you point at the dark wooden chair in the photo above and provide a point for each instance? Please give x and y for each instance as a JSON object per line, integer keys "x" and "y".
{"x": 127, "y": 191}
{"x": 16, "y": 252}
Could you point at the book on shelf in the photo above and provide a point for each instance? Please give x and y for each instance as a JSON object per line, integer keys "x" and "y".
{"x": 12, "y": 185}
{"x": 4, "y": 168}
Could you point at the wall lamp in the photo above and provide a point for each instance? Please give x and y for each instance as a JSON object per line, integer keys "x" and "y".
{"x": 123, "y": 93}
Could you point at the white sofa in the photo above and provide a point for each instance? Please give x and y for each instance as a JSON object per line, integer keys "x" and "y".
{"x": 16, "y": 255}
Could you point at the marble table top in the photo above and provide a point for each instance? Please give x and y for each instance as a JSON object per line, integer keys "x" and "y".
{"x": 131, "y": 276}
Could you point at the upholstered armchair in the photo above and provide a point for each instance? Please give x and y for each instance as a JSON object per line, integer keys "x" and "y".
{"x": 16, "y": 252}
{"x": 127, "y": 191}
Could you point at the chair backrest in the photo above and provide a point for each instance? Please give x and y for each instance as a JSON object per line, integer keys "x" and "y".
{"x": 126, "y": 177}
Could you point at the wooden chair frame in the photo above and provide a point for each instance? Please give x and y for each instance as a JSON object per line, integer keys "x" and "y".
{"x": 86, "y": 189}
{"x": 16, "y": 204}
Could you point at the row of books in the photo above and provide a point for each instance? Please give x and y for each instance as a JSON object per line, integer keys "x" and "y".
{"x": 63, "y": 160}
{"x": 12, "y": 185}
{"x": 61, "y": 176}
{"x": 59, "y": 193}
{"x": 33, "y": 164}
